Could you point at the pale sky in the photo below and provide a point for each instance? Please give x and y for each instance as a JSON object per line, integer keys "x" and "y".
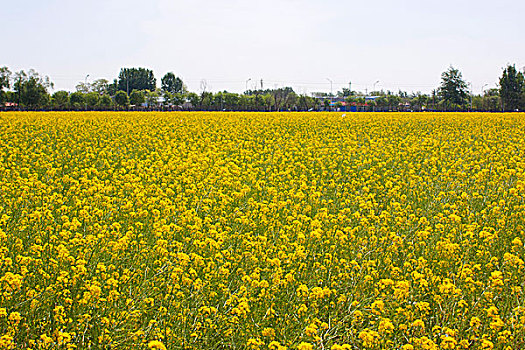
{"x": 402, "y": 44}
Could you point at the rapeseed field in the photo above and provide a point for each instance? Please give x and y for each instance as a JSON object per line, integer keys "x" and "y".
{"x": 262, "y": 231}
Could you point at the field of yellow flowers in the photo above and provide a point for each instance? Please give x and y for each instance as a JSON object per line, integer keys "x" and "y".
{"x": 262, "y": 231}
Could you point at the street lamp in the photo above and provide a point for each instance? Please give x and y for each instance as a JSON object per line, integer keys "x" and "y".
{"x": 374, "y": 90}
{"x": 483, "y": 89}
{"x": 331, "y": 82}
{"x": 245, "y": 93}
{"x": 331, "y": 91}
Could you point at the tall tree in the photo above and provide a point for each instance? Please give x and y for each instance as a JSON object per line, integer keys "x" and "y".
{"x": 77, "y": 100}
{"x": 92, "y": 99}
{"x": 60, "y": 99}
{"x": 31, "y": 89}
{"x": 137, "y": 98}
{"x": 280, "y": 95}
{"x": 5, "y": 75}
{"x": 172, "y": 84}
{"x": 83, "y": 87}
{"x": 122, "y": 99}
{"x": 177, "y": 99}
{"x": 231, "y": 100}
{"x": 100, "y": 86}
{"x": 105, "y": 101}
{"x": 130, "y": 79}
{"x": 194, "y": 100}
{"x": 512, "y": 87}
{"x": 453, "y": 88}
{"x": 152, "y": 98}
{"x": 113, "y": 88}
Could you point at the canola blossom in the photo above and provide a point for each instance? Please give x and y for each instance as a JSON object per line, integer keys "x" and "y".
{"x": 262, "y": 231}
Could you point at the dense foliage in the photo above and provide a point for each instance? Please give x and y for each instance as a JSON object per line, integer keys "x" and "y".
{"x": 172, "y": 84}
{"x": 30, "y": 91}
{"x": 130, "y": 79}
{"x": 512, "y": 85}
{"x": 453, "y": 89}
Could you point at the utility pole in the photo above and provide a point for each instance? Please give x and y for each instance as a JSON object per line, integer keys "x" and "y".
{"x": 261, "y": 84}
{"x": 331, "y": 92}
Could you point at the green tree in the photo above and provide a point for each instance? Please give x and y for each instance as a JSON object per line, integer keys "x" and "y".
{"x": 100, "y": 86}
{"x": 77, "y": 100}
{"x": 152, "y": 98}
{"x": 194, "y": 99}
{"x": 511, "y": 89}
{"x": 137, "y": 98}
{"x": 92, "y": 99}
{"x": 345, "y": 93}
{"x": 280, "y": 95}
{"x": 248, "y": 102}
{"x": 231, "y": 101}
{"x": 5, "y": 76}
{"x": 453, "y": 88}
{"x": 167, "y": 99}
{"x": 105, "y": 101}
{"x": 258, "y": 101}
{"x": 206, "y": 100}
{"x": 492, "y": 100}
{"x": 381, "y": 101}
{"x": 177, "y": 99}
{"x": 268, "y": 101}
{"x": 83, "y": 87}
{"x": 291, "y": 100}
{"x": 172, "y": 84}
{"x": 31, "y": 89}
{"x": 11, "y": 96}
{"x": 434, "y": 98}
{"x": 112, "y": 88}
{"x": 122, "y": 99}
{"x": 130, "y": 79}
{"x": 60, "y": 100}
{"x": 303, "y": 103}
{"x": 419, "y": 101}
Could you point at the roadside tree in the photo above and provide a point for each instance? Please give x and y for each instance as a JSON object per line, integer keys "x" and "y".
{"x": 511, "y": 89}
{"x": 453, "y": 89}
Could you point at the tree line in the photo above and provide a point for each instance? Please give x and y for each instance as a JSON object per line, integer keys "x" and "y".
{"x": 136, "y": 88}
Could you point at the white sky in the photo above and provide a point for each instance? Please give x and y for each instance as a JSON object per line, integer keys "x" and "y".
{"x": 402, "y": 44}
